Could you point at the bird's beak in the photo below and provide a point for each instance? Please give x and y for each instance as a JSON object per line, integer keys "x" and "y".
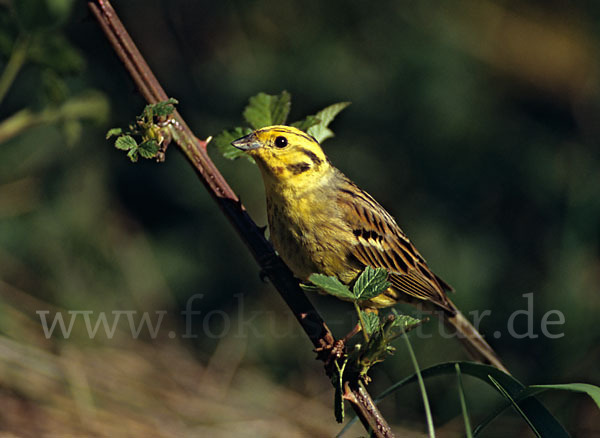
{"x": 247, "y": 143}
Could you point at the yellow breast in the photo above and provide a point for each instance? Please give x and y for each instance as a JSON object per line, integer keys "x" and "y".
{"x": 309, "y": 235}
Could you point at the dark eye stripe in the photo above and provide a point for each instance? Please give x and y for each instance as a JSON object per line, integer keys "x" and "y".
{"x": 316, "y": 160}
{"x": 298, "y": 168}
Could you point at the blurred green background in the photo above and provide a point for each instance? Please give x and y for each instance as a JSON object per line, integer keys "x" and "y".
{"x": 476, "y": 123}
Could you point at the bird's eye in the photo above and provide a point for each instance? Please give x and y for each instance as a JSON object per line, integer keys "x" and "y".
{"x": 281, "y": 142}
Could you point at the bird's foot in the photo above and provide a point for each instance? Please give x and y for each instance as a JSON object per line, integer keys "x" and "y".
{"x": 331, "y": 352}
{"x": 336, "y": 349}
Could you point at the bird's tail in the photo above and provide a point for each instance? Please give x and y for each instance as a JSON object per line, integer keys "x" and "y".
{"x": 472, "y": 340}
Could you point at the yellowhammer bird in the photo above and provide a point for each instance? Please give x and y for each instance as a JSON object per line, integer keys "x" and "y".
{"x": 321, "y": 222}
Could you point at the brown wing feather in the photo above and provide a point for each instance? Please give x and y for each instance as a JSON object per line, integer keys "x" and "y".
{"x": 381, "y": 243}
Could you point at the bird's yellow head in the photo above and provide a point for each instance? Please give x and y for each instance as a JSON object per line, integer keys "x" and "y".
{"x": 285, "y": 155}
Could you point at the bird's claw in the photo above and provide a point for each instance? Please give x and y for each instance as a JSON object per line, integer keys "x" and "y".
{"x": 331, "y": 352}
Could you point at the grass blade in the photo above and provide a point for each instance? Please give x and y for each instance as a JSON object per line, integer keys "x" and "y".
{"x": 463, "y": 403}
{"x": 413, "y": 358}
{"x": 544, "y": 421}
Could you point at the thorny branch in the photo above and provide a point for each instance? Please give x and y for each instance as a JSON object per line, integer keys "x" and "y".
{"x": 252, "y": 235}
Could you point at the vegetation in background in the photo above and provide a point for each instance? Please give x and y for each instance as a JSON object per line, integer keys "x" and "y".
{"x": 267, "y": 110}
{"x": 488, "y": 157}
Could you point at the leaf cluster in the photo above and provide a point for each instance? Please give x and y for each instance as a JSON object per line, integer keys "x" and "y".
{"x": 381, "y": 334}
{"x": 267, "y": 110}
{"x": 370, "y": 283}
{"x": 149, "y": 128}
{"x": 378, "y": 332}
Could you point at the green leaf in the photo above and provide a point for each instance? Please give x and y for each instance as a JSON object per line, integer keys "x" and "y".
{"x": 310, "y": 288}
{"x": 404, "y": 322}
{"x": 332, "y": 286}
{"x": 592, "y": 390}
{"x": 112, "y": 132}
{"x": 378, "y": 336}
{"x": 308, "y": 122}
{"x": 280, "y": 108}
{"x": 148, "y": 149}
{"x": 133, "y": 155}
{"x": 528, "y": 393}
{"x": 126, "y": 143}
{"x": 370, "y": 283}
{"x": 543, "y": 420}
{"x": 506, "y": 395}
{"x": 266, "y": 109}
{"x": 321, "y": 131}
{"x": 371, "y": 321}
{"x": 161, "y": 109}
{"x": 224, "y": 139}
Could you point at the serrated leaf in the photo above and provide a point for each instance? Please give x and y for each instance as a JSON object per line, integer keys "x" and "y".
{"x": 310, "y": 288}
{"x": 404, "y": 322}
{"x": 371, "y": 320}
{"x": 267, "y": 109}
{"x": 370, "y": 283}
{"x": 161, "y": 109}
{"x": 280, "y": 108}
{"x": 321, "y": 131}
{"x": 308, "y": 122}
{"x": 331, "y": 286}
{"x": 112, "y": 132}
{"x": 223, "y": 142}
{"x": 125, "y": 143}
{"x": 148, "y": 149}
{"x": 133, "y": 155}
